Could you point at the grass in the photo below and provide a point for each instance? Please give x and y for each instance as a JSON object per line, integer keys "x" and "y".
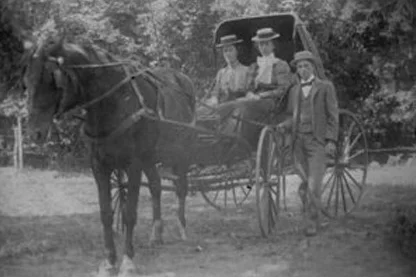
{"x": 73, "y": 244}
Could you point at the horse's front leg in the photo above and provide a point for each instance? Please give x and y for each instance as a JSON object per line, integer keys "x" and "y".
{"x": 155, "y": 188}
{"x": 181, "y": 192}
{"x": 134, "y": 172}
{"x": 102, "y": 175}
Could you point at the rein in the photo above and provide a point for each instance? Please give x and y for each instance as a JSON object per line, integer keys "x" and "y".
{"x": 99, "y": 65}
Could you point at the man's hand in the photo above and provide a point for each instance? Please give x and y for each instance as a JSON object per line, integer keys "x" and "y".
{"x": 330, "y": 148}
{"x": 251, "y": 95}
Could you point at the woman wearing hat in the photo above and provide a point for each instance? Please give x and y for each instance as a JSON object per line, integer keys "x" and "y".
{"x": 312, "y": 112}
{"x": 270, "y": 73}
{"x": 233, "y": 80}
{"x": 268, "y": 80}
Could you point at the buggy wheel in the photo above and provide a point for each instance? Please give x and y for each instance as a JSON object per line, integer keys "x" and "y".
{"x": 119, "y": 184}
{"x": 233, "y": 188}
{"x": 271, "y": 161}
{"x": 229, "y": 179}
{"x": 345, "y": 181}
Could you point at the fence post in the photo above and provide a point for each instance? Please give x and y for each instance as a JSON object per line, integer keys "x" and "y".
{"x": 20, "y": 141}
{"x": 18, "y": 145}
{"x": 15, "y": 156}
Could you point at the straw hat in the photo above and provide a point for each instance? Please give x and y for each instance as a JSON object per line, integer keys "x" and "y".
{"x": 265, "y": 34}
{"x": 303, "y": 55}
{"x": 229, "y": 40}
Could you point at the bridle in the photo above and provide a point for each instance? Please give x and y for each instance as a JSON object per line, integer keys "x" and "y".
{"x": 125, "y": 124}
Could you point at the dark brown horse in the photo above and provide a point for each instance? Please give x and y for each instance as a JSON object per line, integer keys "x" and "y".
{"x": 61, "y": 76}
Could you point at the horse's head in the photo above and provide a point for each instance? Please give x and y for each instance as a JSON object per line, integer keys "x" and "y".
{"x": 50, "y": 87}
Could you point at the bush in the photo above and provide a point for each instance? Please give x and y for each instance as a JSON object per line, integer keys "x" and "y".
{"x": 389, "y": 118}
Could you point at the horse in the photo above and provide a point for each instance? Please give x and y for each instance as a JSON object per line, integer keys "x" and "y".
{"x": 120, "y": 125}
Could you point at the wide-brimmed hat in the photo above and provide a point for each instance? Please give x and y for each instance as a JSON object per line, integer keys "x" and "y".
{"x": 265, "y": 34}
{"x": 303, "y": 55}
{"x": 229, "y": 40}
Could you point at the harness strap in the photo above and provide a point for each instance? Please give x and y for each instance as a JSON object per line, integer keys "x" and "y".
{"x": 112, "y": 90}
{"x": 136, "y": 89}
{"x": 121, "y": 128}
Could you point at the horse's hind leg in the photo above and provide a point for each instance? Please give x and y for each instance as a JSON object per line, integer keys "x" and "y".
{"x": 102, "y": 177}
{"x": 181, "y": 192}
{"x": 134, "y": 172}
{"x": 155, "y": 188}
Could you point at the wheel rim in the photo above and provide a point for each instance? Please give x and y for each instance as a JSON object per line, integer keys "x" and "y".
{"x": 269, "y": 180}
{"x": 345, "y": 181}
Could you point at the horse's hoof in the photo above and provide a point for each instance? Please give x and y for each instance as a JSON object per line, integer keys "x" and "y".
{"x": 105, "y": 269}
{"x": 156, "y": 235}
{"x": 127, "y": 268}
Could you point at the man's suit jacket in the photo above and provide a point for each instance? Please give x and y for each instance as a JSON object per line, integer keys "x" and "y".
{"x": 324, "y": 110}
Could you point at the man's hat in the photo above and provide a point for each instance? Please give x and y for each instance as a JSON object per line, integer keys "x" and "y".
{"x": 265, "y": 34}
{"x": 229, "y": 40}
{"x": 303, "y": 55}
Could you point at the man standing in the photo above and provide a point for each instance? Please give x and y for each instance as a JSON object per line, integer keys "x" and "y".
{"x": 313, "y": 118}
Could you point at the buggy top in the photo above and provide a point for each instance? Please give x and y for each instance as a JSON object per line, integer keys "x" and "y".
{"x": 293, "y": 36}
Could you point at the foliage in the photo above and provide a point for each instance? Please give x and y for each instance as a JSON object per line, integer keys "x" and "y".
{"x": 355, "y": 38}
{"x": 390, "y": 118}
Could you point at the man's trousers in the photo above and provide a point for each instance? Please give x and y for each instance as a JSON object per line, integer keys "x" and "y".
{"x": 310, "y": 162}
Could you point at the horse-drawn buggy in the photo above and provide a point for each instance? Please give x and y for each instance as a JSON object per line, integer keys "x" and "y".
{"x": 227, "y": 166}
{"x": 138, "y": 118}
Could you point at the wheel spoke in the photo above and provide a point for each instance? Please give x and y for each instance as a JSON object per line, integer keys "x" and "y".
{"x": 336, "y": 195}
{"x": 351, "y": 146}
{"x": 343, "y": 194}
{"x": 327, "y": 182}
{"x": 225, "y": 197}
{"x": 235, "y": 196}
{"x": 352, "y": 178}
{"x": 330, "y": 194}
{"x": 348, "y": 188}
{"x": 275, "y": 193}
{"x": 361, "y": 151}
{"x": 245, "y": 191}
{"x": 273, "y": 211}
{"x": 216, "y": 196}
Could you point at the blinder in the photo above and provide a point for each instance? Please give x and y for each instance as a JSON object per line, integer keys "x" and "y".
{"x": 59, "y": 79}
{"x": 57, "y": 73}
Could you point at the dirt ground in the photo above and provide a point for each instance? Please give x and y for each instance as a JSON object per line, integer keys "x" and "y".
{"x": 49, "y": 226}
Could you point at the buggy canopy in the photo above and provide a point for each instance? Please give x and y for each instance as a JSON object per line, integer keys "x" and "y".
{"x": 293, "y": 36}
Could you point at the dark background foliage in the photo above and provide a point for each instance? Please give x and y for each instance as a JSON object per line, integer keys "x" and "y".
{"x": 366, "y": 46}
